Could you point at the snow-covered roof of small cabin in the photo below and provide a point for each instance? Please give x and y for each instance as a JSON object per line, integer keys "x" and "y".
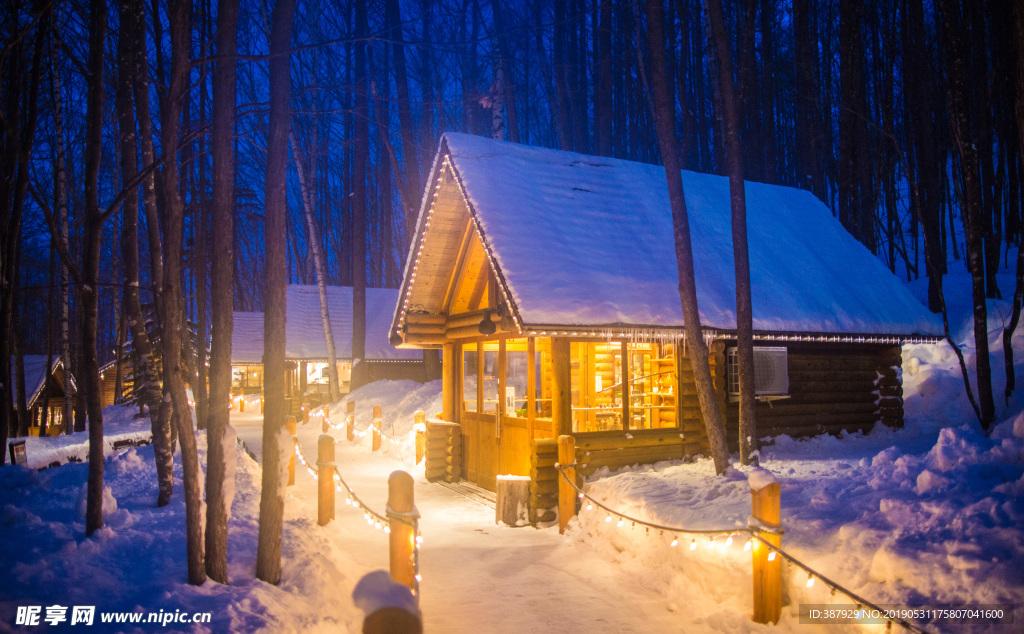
{"x": 304, "y": 333}
{"x": 35, "y": 375}
{"x": 247, "y": 337}
{"x": 585, "y": 240}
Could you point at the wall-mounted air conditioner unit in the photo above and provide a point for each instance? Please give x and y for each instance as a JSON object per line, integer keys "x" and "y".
{"x": 771, "y": 372}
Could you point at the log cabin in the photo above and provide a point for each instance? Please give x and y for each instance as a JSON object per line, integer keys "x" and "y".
{"x": 45, "y": 400}
{"x": 549, "y": 281}
{"x": 306, "y": 346}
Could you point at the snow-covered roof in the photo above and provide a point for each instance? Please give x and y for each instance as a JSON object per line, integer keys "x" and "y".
{"x": 247, "y": 337}
{"x": 35, "y": 375}
{"x": 583, "y": 240}
{"x": 304, "y": 333}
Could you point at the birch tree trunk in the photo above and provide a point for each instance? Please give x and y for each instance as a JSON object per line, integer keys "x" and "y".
{"x": 173, "y": 328}
{"x": 1018, "y": 293}
{"x": 268, "y": 550}
{"x": 220, "y": 457}
{"x": 741, "y": 257}
{"x": 321, "y": 269}
{"x": 60, "y": 184}
{"x": 665, "y": 128}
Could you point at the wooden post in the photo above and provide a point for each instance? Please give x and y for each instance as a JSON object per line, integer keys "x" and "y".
{"x": 289, "y": 424}
{"x": 261, "y": 402}
{"x": 566, "y": 493}
{"x": 375, "y": 445}
{"x": 305, "y": 410}
{"x": 561, "y": 404}
{"x": 350, "y": 420}
{"x": 325, "y": 479}
{"x": 421, "y": 435}
{"x": 765, "y": 508}
{"x": 449, "y": 388}
{"x": 402, "y": 516}
{"x": 241, "y": 403}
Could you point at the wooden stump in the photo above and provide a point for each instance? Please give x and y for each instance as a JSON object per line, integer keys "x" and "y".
{"x": 325, "y": 479}
{"x": 765, "y": 507}
{"x": 566, "y": 493}
{"x": 402, "y": 517}
{"x": 513, "y": 502}
{"x": 289, "y": 424}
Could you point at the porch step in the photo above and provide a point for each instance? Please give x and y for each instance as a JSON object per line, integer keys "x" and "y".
{"x": 472, "y": 491}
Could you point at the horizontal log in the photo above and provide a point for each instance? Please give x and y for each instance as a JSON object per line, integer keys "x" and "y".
{"x": 824, "y": 385}
{"x": 784, "y": 408}
{"x": 431, "y": 330}
{"x": 443, "y": 443}
{"x": 435, "y": 473}
{"x": 545, "y": 445}
{"x": 540, "y": 474}
{"x": 804, "y": 376}
{"x": 545, "y": 460}
{"x": 781, "y": 424}
{"x": 544, "y": 486}
{"x": 622, "y": 456}
{"x": 426, "y": 318}
{"x": 830, "y": 363}
{"x": 468, "y": 319}
{"x": 413, "y": 339}
{"x": 640, "y": 438}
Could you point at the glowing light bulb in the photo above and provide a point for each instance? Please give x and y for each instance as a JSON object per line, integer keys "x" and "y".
{"x": 621, "y": 522}
{"x": 419, "y": 540}
{"x": 675, "y": 542}
{"x": 810, "y": 581}
{"x": 693, "y": 544}
{"x": 590, "y": 507}
{"x": 728, "y": 542}
{"x": 746, "y": 546}
{"x": 608, "y": 519}
{"x": 771, "y": 556}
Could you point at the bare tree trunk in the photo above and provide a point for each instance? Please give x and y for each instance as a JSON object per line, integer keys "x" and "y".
{"x": 1018, "y": 293}
{"x": 160, "y": 417}
{"x": 321, "y": 269}
{"x": 971, "y": 208}
{"x": 268, "y": 554}
{"x": 665, "y": 128}
{"x": 220, "y": 457}
{"x": 89, "y": 291}
{"x": 741, "y": 257}
{"x": 174, "y": 329}
{"x": 359, "y": 203}
{"x": 21, "y": 401}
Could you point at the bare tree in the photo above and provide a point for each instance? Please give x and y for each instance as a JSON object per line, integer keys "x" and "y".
{"x": 174, "y": 330}
{"x": 268, "y": 554}
{"x": 220, "y": 454}
{"x": 665, "y": 127}
{"x": 741, "y": 256}
{"x": 308, "y": 203}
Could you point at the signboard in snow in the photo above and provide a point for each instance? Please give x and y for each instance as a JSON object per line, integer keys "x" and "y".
{"x": 18, "y": 455}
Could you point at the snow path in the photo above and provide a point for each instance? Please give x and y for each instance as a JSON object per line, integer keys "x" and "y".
{"x": 477, "y": 576}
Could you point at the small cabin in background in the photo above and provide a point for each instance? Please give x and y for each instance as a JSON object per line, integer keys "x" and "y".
{"x": 45, "y": 401}
{"x": 306, "y": 346}
{"x": 549, "y": 280}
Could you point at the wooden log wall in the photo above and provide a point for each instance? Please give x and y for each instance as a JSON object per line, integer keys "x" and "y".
{"x": 691, "y": 421}
{"x": 444, "y": 452}
{"x": 543, "y": 480}
{"x": 833, "y": 387}
{"x": 616, "y": 449}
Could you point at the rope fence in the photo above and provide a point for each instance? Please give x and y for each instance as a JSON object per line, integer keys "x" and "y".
{"x": 757, "y": 536}
{"x": 400, "y": 522}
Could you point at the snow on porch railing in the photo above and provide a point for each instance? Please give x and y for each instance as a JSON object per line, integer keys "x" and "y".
{"x": 762, "y": 531}
{"x": 400, "y": 520}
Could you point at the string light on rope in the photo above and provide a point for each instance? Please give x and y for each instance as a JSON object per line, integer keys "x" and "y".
{"x": 755, "y": 540}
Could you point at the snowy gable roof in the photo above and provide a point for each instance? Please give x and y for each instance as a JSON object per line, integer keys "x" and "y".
{"x": 587, "y": 241}
{"x": 35, "y": 375}
{"x": 247, "y": 337}
{"x": 304, "y": 333}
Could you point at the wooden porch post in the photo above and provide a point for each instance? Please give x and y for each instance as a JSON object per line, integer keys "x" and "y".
{"x": 561, "y": 394}
{"x": 448, "y": 390}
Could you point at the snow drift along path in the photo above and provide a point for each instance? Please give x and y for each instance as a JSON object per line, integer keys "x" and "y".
{"x": 477, "y": 576}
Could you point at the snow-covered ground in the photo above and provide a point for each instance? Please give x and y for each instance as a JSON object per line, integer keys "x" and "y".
{"x": 119, "y": 426}
{"x": 932, "y": 513}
